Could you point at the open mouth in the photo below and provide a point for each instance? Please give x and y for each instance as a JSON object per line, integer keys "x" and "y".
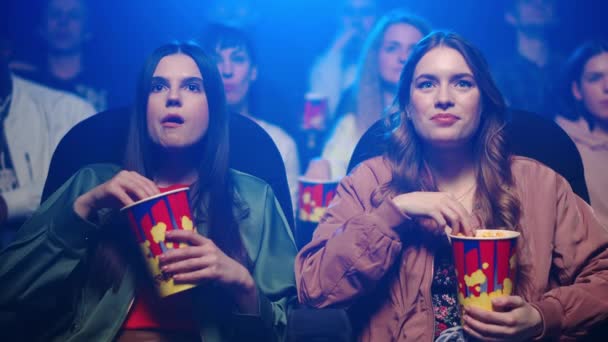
{"x": 172, "y": 120}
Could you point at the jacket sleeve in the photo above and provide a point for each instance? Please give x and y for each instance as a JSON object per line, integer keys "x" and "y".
{"x": 45, "y": 252}
{"x": 274, "y": 277}
{"x": 580, "y": 257}
{"x": 353, "y": 247}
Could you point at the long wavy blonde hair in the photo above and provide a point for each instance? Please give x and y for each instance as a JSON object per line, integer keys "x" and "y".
{"x": 368, "y": 95}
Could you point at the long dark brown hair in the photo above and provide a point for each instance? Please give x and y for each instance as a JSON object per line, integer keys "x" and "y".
{"x": 212, "y": 196}
{"x": 495, "y": 196}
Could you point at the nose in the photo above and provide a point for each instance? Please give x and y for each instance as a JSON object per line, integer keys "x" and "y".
{"x": 444, "y": 100}
{"x": 226, "y": 69}
{"x": 403, "y": 55}
{"x": 174, "y": 97}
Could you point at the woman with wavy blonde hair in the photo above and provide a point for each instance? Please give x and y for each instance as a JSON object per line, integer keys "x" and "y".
{"x": 385, "y": 51}
{"x": 381, "y": 248}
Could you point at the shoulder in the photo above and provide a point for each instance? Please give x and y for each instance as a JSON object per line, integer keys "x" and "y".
{"x": 276, "y": 132}
{"x": 345, "y": 126}
{"x": 52, "y": 99}
{"x": 83, "y": 180}
{"x": 532, "y": 176}
{"x": 372, "y": 172}
{"x": 575, "y": 129}
{"x": 249, "y": 187}
{"x": 101, "y": 171}
{"x": 530, "y": 167}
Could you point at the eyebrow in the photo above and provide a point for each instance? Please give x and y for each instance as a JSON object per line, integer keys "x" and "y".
{"x": 161, "y": 79}
{"x": 453, "y": 77}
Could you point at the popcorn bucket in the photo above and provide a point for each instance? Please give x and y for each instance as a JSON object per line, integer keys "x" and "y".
{"x": 150, "y": 219}
{"x": 485, "y": 266}
{"x": 314, "y": 198}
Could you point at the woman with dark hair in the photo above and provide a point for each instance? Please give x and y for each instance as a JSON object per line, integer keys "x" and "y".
{"x": 238, "y": 66}
{"x": 73, "y": 272}
{"x": 585, "y": 117}
{"x": 385, "y": 51}
{"x": 381, "y": 248}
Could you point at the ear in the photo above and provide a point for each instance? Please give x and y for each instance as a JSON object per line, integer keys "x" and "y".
{"x": 253, "y": 75}
{"x": 576, "y": 91}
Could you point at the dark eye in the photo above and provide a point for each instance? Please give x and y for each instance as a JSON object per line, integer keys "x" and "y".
{"x": 239, "y": 59}
{"x": 157, "y": 88}
{"x": 193, "y": 87}
{"x": 464, "y": 84}
{"x": 391, "y": 48}
{"x": 424, "y": 85}
{"x": 594, "y": 77}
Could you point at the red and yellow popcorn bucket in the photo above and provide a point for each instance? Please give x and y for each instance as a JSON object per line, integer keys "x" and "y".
{"x": 315, "y": 112}
{"x": 150, "y": 219}
{"x": 486, "y": 265}
{"x": 314, "y": 198}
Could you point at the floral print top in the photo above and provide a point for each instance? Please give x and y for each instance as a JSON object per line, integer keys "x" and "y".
{"x": 443, "y": 291}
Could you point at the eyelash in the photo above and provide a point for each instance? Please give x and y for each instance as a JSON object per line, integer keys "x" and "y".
{"x": 424, "y": 85}
{"x": 197, "y": 88}
{"x": 157, "y": 88}
{"x": 464, "y": 83}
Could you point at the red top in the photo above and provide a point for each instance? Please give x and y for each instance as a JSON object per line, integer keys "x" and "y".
{"x": 150, "y": 311}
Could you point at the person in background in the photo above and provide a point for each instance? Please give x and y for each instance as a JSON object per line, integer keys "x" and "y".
{"x": 334, "y": 70}
{"x": 75, "y": 272}
{"x": 65, "y": 30}
{"x": 585, "y": 119}
{"x": 527, "y": 77}
{"x": 237, "y": 63}
{"x": 381, "y": 248}
{"x": 386, "y": 50}
{"x": 33, "y": 119}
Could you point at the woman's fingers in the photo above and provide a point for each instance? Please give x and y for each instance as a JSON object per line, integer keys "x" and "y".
{"x": 465, "y": 225}
{"x": 136, "y": 185}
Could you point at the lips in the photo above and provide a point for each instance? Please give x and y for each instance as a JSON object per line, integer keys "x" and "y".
{"x": 445, "y": 118}
{"x": 172, "y": 120}
{"x": 229, "y": 87}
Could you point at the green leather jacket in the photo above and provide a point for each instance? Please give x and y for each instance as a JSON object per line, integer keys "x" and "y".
{"x": 44, "y": 295}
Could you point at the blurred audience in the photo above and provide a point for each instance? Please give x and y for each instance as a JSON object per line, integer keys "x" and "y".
{"x": 238, "y": 13}
{"x": 65, "y": 30}
{"x": 334, "y": 71}
{"x": 527, "y": 77}
{"x": 33, "y": 118}
{"x": 384, "y": 54}
{"x": 585, "y": 117}
{"x": 238, "y": 66}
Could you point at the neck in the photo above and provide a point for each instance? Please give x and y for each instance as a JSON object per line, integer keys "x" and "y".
{"x": 453, "y": 169}
{"x": 533, "y": 48}
{"x": 240, "y": 107}
{"x": 65, "y": 65}
{"x": 388, "y": 96}
{"x": 601, "y": 125}
{"x": 176, "y": 168}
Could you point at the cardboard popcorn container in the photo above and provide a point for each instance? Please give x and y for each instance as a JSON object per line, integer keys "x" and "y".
{"x": 150, "y": 219}
{"x": 315, "y": 112}
{"x": 485, "y": 266}
{"x": 314, "y": 198}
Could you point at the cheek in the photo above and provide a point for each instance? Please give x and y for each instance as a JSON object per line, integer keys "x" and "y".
{"x": 590, "y": 95}
{"x": 420, "y": 103}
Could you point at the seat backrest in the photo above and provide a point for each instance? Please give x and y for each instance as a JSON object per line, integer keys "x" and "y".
{"x": 530, "y": 135}
{"x": 102, "y": 139}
